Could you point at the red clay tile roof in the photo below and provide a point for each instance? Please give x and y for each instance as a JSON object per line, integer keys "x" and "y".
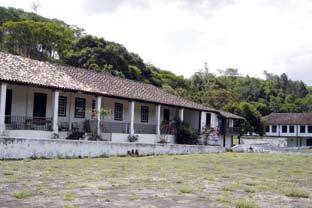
{"x": 289, "y": 118}
{"x": 45, "y": 74}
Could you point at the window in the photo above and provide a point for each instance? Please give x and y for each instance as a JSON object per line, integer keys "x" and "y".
{"x": 302, "y": 129}
{"x": 284, "y": 129}
{"x": 93, "y": 106}
{"x": 291, "y": 129}
{"x": 267, "y": 128}
{"x": 80, "y": 107}
{"x": 274, "y": 129}
{"x": 166, "y": 115}
{"x": 62, "y": 106}
{"x": 144, "y": 114}
{"x": 208, "y": 120}
{"x": 118, "y": 111}
{"x": 309, "y": 129}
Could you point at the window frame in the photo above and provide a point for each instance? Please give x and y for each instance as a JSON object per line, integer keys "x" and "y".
{"x": 144, "y": 114}
{"x": 118, "y": 114}
{"x": 302, "y": 132}
{"x": 81, "y": 114}
{"x": 292, "y": 129}
{"x": 62, "y": 98}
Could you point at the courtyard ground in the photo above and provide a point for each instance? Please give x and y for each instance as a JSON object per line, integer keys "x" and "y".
{"x": 211, "y": 180}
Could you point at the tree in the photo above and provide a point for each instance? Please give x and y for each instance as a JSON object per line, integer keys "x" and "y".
{"x": 37, "y": 40}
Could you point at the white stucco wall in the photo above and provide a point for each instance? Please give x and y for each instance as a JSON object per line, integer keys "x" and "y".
{"x": 192, "y": 118}
{"x": 12, "y": 148}
{"x": 214, "y": 120}
{"x": 228, "y": 142}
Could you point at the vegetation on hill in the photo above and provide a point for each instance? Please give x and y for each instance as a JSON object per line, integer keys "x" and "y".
{"x": 34, "y": 36}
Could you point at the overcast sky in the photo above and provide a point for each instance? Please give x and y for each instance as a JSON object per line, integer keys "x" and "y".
{"x": 181, "y": 35}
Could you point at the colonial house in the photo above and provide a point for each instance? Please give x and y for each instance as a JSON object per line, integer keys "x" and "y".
{"x": 296, "y": 127}
{"x": 46, "y": 100}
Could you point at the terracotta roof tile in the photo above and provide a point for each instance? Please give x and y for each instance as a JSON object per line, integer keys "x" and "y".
{"x": 29, "y": 71}
{"x": 289, "y": 118}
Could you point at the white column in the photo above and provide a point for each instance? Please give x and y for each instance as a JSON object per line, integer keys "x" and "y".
{"x": 55, "y": 105}
{"x": 202, "y": 124}
{"x": 98, "y": 114}
{"x": 131, "y": 115}
{"x": 158, "y": 119}
{"x": 2, "y": 106}
{"x": 181, "y": 114}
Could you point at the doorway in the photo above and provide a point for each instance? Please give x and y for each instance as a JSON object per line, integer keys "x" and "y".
{"x": 40, "y": 105}
{"x": 166, "y": 115}
{"x": 8, "y": 106}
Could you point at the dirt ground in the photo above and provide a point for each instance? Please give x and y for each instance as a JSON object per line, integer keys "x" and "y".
{"x": 211, "y": 180}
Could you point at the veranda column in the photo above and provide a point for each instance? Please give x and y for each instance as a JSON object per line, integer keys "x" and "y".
{"x": 131, "y": 114}
{"x": 158, "y": 119}
{"x": 98, "y": 110}
{"x": 3, "y": 91}
{"x": 202, "y": 121}
{"x": 181, "y": 114}
{"x": 55, "y": 105}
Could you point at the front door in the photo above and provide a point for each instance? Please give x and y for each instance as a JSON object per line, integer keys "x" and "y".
{"x": 166, "y": 115}
{"x": 309, "y": 142}
{"x": 40, "y": 105}
{"x": 8, "y": 106}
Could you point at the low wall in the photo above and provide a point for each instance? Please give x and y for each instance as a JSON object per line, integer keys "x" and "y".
{"x": 276, "y": 142}
{"x": 17, "y": 148}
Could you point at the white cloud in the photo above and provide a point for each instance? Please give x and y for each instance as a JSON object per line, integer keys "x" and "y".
{"x": 180, "y": 35}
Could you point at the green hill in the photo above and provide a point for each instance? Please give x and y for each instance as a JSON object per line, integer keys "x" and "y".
{"x": 31, "y": 35}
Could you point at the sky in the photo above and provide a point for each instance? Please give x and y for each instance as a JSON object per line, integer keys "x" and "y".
{"x": 181, "y": 35}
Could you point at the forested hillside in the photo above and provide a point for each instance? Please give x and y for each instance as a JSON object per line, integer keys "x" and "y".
{"x": 34, "y": 36}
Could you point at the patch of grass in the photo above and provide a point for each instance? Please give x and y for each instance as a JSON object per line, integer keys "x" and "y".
{"x": 101, "y": 188}
{"x": 249, "y": 183}
{"x": 68, "y": 197}
{"x": 8, "y": 173}
{"x": 186, "y": 189}
{"x": 108, "y": 200}
{"x": 296, "y": 192}
{"x": 242, "y": 203}
{"x": 22, "y": 194}
{"x": 249, "y": 189}
{"x": 225, "y": 198}
{"x": 132, "y": 197}
{"x": 230, "y": 187}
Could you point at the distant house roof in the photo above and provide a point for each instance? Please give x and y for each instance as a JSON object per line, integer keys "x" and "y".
{"x": 289, "y": 118}
{"x": 229, "y": 115}
{"x": 23, "y": 70}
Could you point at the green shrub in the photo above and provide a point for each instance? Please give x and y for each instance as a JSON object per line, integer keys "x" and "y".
{"x": 185, "y": 134}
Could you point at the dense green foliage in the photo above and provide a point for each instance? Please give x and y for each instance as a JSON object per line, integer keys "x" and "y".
{"x": 185, "y": 134}
{"x": 34, "y": 36}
